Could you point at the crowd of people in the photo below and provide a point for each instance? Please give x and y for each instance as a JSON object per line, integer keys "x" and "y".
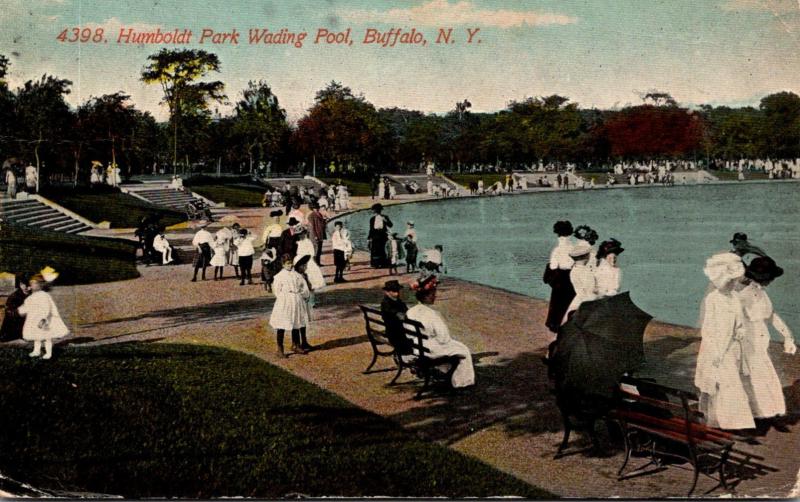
{"x": 330, "y": 198}
{"x": 739, "y": 387}
{"x": 20, "y": 179}
{"x": 109, "y": 175}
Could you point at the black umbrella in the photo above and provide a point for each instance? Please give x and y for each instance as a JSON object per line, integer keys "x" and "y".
{"x": 602, "y": 340}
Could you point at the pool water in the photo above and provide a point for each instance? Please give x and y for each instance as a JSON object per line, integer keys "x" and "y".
{"x": 667, "y": 233}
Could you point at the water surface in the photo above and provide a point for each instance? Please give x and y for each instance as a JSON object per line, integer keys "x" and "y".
{"x": 667, "y": 234}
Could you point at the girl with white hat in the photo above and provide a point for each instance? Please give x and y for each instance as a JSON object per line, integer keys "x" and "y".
{"x": 43, "y": 323}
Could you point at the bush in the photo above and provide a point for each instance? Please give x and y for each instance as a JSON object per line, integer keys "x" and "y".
{"x": 205, "y": 179}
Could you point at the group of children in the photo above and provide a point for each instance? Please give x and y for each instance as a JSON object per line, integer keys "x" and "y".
{"x": 406, "y": 250}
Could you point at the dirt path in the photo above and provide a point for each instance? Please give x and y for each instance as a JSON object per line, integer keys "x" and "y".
{"x": 509, "y": 419}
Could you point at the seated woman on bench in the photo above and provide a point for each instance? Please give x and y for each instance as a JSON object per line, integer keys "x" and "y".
{"x": 439, "y": 341}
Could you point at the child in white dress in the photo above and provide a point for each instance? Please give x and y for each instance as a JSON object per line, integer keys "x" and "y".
{"x": 43, "y": 323}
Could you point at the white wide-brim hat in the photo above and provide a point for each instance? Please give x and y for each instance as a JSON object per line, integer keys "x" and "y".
{"x": 723, "y": 268}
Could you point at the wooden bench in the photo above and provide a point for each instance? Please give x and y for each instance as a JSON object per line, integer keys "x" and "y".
{"x": 418, "y": 362}
{"x": 662, "y": 423}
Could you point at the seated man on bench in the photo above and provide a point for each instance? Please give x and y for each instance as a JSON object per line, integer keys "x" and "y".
{"x": 439, "y": 341}
{"x": 393, "y": 312}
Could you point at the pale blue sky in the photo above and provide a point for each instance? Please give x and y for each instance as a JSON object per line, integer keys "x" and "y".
{"x": 596, "y": 52}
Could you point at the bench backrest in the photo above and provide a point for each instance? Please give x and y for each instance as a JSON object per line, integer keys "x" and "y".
{"x": 376, "y": 330}
{"x": 672, "y": 409}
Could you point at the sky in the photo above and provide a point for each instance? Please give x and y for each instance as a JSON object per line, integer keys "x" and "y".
{"x": 598, "y": 53}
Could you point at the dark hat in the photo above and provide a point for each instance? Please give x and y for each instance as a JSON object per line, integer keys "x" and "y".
{"x": 292, "y": 221}
{"x": 738, "y": 237}
{"x": 392, "y": 285}
{"x": 378, "y": 207}
{"x": 562, "y": 228}
{"x": 611, "y": 246}
{"x": 314, "y": 205}
{"x": 275, "y": 213}
{"x": 302, "y": 260}
{"x": 763, "y": 269}
{"x": 586, "y": 233}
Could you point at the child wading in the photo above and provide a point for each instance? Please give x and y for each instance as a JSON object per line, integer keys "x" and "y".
{"x": 394, "y": 252}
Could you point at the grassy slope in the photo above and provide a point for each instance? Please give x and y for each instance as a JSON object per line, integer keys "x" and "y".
{"x": 188, "y": 421}
{"x": 356, "y": 188}
{"x": 488, "y": 179}
{"x": 79, "y": 259}
{"x": 232, "y": 195}
{"x": 122, "y": 210}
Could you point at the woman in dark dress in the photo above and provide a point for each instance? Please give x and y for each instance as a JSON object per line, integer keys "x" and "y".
{"x": 379, "y": 226}
{"x": 556, "y": 275}
{"x": 12, "y": 321}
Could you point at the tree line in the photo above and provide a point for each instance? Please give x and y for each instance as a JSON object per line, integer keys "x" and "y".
{"x": 346, "y": 135}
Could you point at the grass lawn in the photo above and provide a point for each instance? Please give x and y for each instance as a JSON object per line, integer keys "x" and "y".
{"x": 122, "y": 210}
{"x": 232, "y": 195}
{"x": 356, "y": 188}
{"x": 79, "y": 259}
{"x": 163, "y": 420}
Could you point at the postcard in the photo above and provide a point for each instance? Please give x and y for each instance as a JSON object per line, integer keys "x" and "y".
{"x": 416, "y": 248}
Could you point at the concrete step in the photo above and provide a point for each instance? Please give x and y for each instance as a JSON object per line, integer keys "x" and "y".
{"x": 55, "y": 222}
{"x": 26, "y": 211}
{"x": 73, "y": 228}
{"x": 38, "y": 218}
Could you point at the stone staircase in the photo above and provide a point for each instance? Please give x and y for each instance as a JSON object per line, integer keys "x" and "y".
{"x": 422, "y": 181}
{"x": 35, "y": 213}
{"x": 165, "y": 197}
{"x": 279, "y": 183}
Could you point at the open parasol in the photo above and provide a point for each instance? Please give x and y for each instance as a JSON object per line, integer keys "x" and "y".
{"x": 602, "y": 340}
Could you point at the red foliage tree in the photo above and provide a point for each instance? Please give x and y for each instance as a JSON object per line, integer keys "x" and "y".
{"x": 649, "y": 131}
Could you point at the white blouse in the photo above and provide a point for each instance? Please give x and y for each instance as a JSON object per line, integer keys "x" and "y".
{"x": 607, "y": 279}
{"x": 559, "y": 257}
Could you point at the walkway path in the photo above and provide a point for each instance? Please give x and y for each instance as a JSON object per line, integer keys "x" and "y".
{"x": 508, "y": 420}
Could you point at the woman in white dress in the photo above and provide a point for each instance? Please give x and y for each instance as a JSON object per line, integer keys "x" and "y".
{"x": 585, "y": 234}
{"x": 218, "y": 258}
{"x": 43, "y": 323}
{"x": 608, "y": 275}
{"x": 581, "y": 277}
{"x": 761, "y": 381}
{"x": 161, "y": 244}
{"x": 439, "y": 341}
{"x": 723, "y": 399}
{"x": 290, "y": 311}
{"x": 306, "y": 248}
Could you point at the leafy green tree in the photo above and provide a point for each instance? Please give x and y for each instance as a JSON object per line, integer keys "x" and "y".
{"x": 781, "y": 124}
{"x": 342, "y": 128}
{"x": 178, "y": 71}
{"x": 43, "y": 115}
{"x": 260, "y": 122}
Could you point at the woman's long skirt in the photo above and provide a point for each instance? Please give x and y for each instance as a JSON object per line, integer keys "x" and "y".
{"x": 560, "y": 297}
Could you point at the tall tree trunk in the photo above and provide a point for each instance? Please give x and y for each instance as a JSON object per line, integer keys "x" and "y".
{"x": 38, "y": 167}
{"x": 174, "y": 145}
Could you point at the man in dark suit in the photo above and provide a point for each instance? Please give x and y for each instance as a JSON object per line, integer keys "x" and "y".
{"x": 288, "y": 245}
{"x": 316, "y": 230}
{"x": 393, "y": 312}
